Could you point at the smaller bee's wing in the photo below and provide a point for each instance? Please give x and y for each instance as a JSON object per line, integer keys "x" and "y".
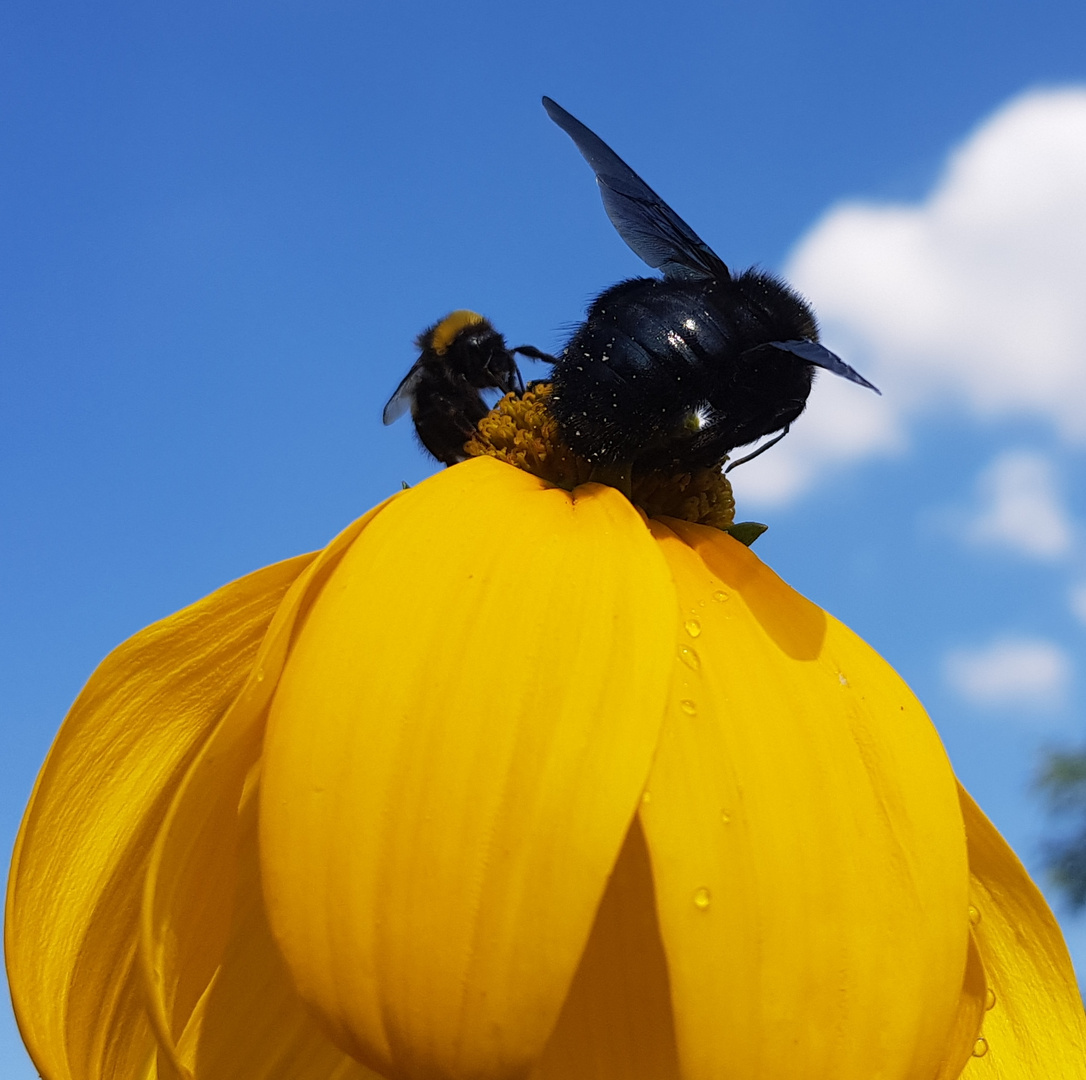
{"x": 820, "y": 356}
{"x": 649, "y": 226}
{"x": 404, "y": 396}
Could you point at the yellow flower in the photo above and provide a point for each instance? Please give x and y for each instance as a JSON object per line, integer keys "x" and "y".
{"x": 511, "y": 782}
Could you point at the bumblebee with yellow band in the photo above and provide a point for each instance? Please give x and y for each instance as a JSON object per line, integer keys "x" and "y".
{"x": 460, "y": 356}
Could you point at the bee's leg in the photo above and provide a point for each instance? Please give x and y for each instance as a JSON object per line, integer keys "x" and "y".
{"x": 761, "y": 450}
{"x": 535, "y": 354}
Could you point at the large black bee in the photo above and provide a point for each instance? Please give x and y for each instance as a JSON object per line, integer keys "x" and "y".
{"x": 461, "y": 355}
{"x": 680, "y": 370}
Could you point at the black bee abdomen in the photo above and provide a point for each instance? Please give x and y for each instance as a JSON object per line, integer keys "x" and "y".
{"x": 446, "y": 409}
{"x": 625, "y": 381}
{"x": 658, "y": 374}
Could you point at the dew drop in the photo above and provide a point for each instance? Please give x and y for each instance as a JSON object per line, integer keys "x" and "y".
{"x": 720, "y": 596}
{"x": 259, "y": 674}
{"x": 689, "y": 658}
{"x": 980, "y": 1047}
{"x": 974, "y": 916}
{"x": 725, "y": 817}
{"x": 688, "y": 707}
{"x": 702, "y": 898}
{"x": 989, "y": 1000}
{"x": 646, "y": 797}
{"x": 841, "y": 678}
{"x": 693, "y": 627}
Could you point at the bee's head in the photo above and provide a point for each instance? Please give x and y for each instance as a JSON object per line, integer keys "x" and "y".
{"x": 481, "y": 354}
{"x": 778, "y": 310}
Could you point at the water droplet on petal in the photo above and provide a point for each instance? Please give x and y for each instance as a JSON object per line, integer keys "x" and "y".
{"x": 646, "y": 797}
{"x": 259, "y": 674}
{"x": 693, "y": 627}
{"x": 720, "y": 596}
{"x": 688, "y": 707}
{"x": 989, "y": 1000}
{"x": 689, "y": 657}
{"x": 841, "y": 678}
{"x": 725, "y": 817}
{"x": 702, "y": 898}
{"x": 980, "y": 1047}
{"x": 974, "y": 916}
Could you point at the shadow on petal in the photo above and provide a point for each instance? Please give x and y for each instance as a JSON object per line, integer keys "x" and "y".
{"x": 969, "y": 1019}
{"x": 250, "y": 1022}
{"x": 797, "y": 627}
{"x": 617, "y": 1021}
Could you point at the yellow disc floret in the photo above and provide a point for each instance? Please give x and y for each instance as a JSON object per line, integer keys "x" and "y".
{"x": 522, "y": 432}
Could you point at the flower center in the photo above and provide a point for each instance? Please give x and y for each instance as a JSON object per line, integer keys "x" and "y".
{"x": 521, "y": 431}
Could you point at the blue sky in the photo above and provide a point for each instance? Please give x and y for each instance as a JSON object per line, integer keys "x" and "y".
{"x": 223, "y": 224}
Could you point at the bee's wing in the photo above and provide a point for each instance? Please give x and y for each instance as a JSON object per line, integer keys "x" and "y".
{"x": 819, "y": 355}
{"x": 404, "y": 396}
{"x": 651, "y": 228}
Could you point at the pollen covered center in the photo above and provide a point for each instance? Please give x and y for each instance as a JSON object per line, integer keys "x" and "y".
{"x": 521, "y": 431}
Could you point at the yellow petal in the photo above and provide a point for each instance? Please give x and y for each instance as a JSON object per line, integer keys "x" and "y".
{"x": 73, "y": 894}
{"x": 616, "y": 1022}
{"x": 453, "y": 757}
{"x": 1036, "y": 1029}
{"x": 806, "y": 842}
{"x": 188, "y": 890}
{"x": 250, "y": 1023}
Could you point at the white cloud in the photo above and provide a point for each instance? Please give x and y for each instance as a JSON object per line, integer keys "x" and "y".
{"x": 1021, "y": 508}
{"x": 1011, "y": 673}
{"x": 971, "y": 299}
